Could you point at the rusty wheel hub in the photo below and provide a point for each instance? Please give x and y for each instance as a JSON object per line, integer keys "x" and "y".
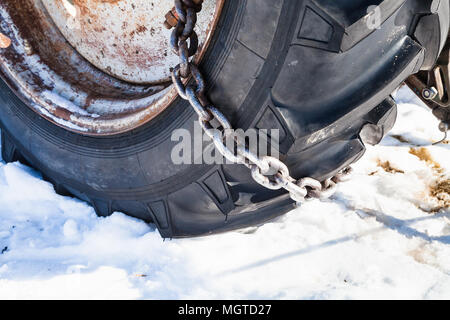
{"x": 93, "y": 66}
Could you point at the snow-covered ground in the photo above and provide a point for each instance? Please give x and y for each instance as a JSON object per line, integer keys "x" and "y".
{"x": 385, "y": 234}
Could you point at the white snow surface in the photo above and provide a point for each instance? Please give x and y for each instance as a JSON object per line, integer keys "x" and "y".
{"x": 382, "y": 236}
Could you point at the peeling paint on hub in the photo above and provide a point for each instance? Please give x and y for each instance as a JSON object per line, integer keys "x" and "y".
{"x": 124, "y": 38}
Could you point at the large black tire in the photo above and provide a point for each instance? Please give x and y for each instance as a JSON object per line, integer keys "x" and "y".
{"x": 311, "y": 68}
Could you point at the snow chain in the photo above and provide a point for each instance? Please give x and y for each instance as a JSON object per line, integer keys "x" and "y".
{"x": 267, "y": 171}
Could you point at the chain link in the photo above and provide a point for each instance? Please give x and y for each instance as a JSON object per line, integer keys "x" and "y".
{"x": 267, "y": 171}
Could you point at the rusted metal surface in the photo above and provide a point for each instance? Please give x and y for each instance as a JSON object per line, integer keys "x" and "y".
{"x": 56, "y": 81}
{"x": 125, "y": 38}
{"x": 172, "y": 16}
{"x": 171, "y": 19}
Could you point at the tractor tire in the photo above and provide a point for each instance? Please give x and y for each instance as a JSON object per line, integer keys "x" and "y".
{"x": 319, "y": 71}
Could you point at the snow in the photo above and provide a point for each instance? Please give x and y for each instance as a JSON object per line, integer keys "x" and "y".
{"x": 384, "y": 235}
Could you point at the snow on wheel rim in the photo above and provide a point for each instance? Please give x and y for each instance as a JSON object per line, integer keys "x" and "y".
{"x": 89, "y": 69}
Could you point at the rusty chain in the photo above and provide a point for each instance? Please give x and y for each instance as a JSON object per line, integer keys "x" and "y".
{"x": 267, "y": 171}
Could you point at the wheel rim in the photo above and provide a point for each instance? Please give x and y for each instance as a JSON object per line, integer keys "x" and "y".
{"x": 70, "y": 62}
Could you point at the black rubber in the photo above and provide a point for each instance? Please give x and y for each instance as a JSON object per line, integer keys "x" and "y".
{"x": 309, "y": 68}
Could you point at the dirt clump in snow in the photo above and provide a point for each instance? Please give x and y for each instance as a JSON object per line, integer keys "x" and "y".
{"x": 441, "y": 191}
{"x": 424, "y": 155}
{"x": 386, "y": 166}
